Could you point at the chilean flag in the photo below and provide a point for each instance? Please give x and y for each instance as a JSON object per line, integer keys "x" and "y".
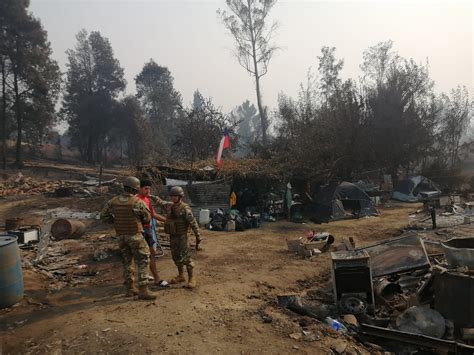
{"x": 225, "y": 143}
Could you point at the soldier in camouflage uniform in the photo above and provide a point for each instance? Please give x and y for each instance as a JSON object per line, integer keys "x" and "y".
{"x": 128, "y": 214}
{"x": 178, "y": 220}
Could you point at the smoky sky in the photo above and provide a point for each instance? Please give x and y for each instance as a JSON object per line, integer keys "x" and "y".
{"x": 189, "y": 39}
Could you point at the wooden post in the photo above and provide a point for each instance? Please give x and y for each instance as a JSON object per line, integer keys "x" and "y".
{"x": 100, "y": 176}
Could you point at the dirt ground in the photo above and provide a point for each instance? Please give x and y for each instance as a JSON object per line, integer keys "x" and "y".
{"x": 233, "y": 309}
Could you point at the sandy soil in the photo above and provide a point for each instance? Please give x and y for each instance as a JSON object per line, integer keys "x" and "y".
{"x": 233, "y": 309}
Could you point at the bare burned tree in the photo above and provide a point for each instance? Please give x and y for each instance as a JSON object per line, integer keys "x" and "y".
{"x": 246, "y": 20}
{"x": 455, "y": 120}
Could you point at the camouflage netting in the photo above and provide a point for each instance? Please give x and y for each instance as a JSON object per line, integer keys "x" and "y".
{"x": 207, "y": 170}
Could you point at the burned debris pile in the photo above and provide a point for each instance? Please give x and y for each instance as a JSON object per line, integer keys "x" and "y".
{"x": 414, "y": 291}
{"x": 19, "y": 184}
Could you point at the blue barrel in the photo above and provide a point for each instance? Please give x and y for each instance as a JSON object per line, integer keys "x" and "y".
{"x": 11, "y": 276}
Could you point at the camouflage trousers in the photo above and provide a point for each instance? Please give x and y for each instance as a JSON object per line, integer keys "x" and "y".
{"x": 180, "y": 250}
{"x": 134, "y": 248}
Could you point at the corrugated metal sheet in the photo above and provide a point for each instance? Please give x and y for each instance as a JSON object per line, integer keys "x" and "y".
{"x": 398, "y": 255}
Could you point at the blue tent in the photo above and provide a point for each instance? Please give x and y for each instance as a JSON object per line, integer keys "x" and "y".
{"x": 414, "y": 189}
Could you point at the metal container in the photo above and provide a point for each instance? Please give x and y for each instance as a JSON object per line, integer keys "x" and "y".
{"x": 67, "y": 229}
{"x": 11, "y": 276}
{"x": 26, "y": 235}
{"x": 352, "y": 281}
{"x": 459, "y": 251}
{"x": 454, "y": 298}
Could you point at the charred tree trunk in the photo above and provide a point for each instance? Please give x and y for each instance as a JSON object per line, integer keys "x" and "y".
{"x": 104, "y": 152}
{"x": 4, "y": 116}
{"x": 261, "y": 110}
{"x": 60, "y": 149}
{"x": 19, "y": 122}
{"x": 121, "y": 151}
{"x": 89, "y": 149}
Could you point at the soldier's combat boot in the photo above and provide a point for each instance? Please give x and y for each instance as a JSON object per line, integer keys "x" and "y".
{"x": 180, "y": 277}
{"x": 192, "y": 279}
{"x": 131, "y": 290}
{"x": 145, "y": 294}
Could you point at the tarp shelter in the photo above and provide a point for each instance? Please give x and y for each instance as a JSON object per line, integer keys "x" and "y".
{"x": 346, "y": 200}
{"x": 414, "y": 189}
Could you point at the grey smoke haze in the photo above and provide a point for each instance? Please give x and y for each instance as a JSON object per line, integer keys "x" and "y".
{"x": 188, "y": 38}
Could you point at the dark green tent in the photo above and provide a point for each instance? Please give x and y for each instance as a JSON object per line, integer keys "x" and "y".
{"x": 339, "y": 201}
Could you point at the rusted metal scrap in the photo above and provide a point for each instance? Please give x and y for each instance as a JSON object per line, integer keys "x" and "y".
{"x": 421, "y": 341}
{"x": 454, "y": 298}
{"x": 399, "y": 255}
{"x": 459, "y": 251}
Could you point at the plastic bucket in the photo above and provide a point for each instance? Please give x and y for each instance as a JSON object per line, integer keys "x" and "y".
{"x": 204, "y": 217}
{"x": 11, "y": 275}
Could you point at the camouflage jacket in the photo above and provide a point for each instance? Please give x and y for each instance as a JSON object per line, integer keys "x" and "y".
{"x": 164, "y": 205}
{"x": 183, "y": 211}
{"x": 139, "y": 209}
{"x": 178, "y": 210}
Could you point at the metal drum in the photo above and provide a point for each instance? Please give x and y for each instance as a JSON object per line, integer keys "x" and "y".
{"x": 67, "y": 229}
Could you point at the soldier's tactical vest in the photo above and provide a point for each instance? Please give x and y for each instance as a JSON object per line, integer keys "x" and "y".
{"x": 125, "y": 221}
{"x": 176, "y": 222}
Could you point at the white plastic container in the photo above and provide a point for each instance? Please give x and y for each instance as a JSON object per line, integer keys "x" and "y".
{"x": 231, "y": 226}
{"x": 204, "y": 217}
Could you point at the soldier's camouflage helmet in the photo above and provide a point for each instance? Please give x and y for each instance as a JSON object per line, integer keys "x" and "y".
{"x": 177, "y": 191}
{"x": 132, "y": 182}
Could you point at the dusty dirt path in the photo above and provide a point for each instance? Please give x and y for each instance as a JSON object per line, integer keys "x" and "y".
{"x": 239, "y": 276}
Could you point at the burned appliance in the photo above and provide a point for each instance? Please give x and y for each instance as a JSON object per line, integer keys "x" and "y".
{"x": 26, "y": 234}
{"x": 352, "y": 282}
